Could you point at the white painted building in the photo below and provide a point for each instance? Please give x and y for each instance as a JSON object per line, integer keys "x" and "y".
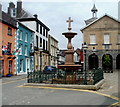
{"x": 40, "y": 41}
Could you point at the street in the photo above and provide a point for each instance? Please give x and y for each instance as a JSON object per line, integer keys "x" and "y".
{"x": 13, "y": 94}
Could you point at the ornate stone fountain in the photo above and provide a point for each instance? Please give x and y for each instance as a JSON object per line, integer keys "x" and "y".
{"x": 69, "y": 54}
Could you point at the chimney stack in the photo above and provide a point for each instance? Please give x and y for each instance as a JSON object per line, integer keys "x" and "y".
{"x": 19, "y": 8}
{"x": 35, "y": 15}
{"x": 11, "y": 6}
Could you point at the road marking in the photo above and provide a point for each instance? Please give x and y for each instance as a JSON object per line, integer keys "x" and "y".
{"x": 12, "y": 81}
{"x": 106, "y": 95}
{"x": 115, "y": 104}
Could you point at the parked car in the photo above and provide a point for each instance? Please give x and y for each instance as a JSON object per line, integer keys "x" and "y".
{"x": 49, "y": 69}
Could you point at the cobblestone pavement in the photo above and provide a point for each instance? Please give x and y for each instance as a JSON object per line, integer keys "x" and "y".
{"x": 111, "y": 85}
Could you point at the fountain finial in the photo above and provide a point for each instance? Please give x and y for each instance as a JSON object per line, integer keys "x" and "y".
{"x": 69, "y": 24}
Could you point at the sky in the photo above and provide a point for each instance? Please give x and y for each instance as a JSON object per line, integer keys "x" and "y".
{"x": 54, "y": 13}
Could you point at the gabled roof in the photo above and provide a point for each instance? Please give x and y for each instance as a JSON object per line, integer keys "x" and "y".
{"x": 98, "y": 20}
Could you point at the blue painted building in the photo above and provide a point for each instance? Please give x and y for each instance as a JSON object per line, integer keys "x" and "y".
{"x": 24, "y": 43}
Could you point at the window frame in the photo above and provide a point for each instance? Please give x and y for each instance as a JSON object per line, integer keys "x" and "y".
{"x": 9, "y": 31}
{"x": 20, "y": 46}
{"x": 118, "y": 38}
{"x": 106, "y": 40}
{"x": 92, "y": 39}
{"x": 26, "y": 37}
{"x": 21, "y": 65}
{"x": 21, "y": 35}
{"x": 25, "y": 51}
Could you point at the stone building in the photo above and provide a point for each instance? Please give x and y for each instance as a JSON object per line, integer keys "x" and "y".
{"x": 103, "y": 40}
{"x": 53, "y": 48}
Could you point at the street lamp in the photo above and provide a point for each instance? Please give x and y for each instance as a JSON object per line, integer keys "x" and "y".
{"x": 85, "y": 49}
{"x": 94, "y": 51}
{"x": 40, "y": 58}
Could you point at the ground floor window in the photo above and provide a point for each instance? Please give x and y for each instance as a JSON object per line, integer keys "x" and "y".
{"x": 2, "y": 66}
{"x": 10, "y": 67}
{"x": 21, "y": 65}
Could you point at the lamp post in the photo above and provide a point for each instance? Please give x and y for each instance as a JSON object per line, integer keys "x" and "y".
{"x": 85, "y": 49}
{"x": 40, "y": 58}
{"x": 94, "y": 51}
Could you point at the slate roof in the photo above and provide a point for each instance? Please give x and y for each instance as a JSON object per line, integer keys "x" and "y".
{"x": 90, "y": 20}
{"x": 25, "y": 14}
{"x": 8, "y": 20}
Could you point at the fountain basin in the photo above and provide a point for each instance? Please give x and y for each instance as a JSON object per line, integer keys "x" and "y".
{"x": 69, "y": 67}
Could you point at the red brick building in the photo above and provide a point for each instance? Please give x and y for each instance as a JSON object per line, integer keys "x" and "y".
{"x": 7, "y": 38}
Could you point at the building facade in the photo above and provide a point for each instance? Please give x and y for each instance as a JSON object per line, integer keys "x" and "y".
{"x": 103, "y": 40}
{"x": 24, "y": 44}
{"x": 41, "y": 53}
{"x": 8, "y": 27}
{"x": 53, "y": 49}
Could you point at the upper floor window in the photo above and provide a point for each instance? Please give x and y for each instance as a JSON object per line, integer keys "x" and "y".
{"x": 40, "y": 29}
{"x": 43, "y": 44}
{"x": 46, "y": 45}
{"x": 9, "y": 46}
{"x": 9, "y": 31}
{"x": 21, "y": 34}
{"x": 13, "y": 12}
{"x": 20, "y": 47}
{"x": 106, "y": 39}
{"x": 37, "y": 27}
{"x": 36, "y": 40}
{"x": 43, "y": 31}
{"x": 40, "y": 42}
{"x": 46, "y": 33}
{"x": 118, "y": 38}
{"x": 26, "y": 37}
{"x": 92, "y": 39}
{"x": 25, "y": 50}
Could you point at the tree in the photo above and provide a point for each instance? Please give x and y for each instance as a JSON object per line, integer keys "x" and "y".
{"x": 107, "y": 61}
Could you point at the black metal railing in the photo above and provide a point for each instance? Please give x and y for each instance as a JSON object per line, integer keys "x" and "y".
{"x": 62, "y": 77}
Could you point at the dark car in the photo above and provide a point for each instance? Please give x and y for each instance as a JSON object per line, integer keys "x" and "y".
{"x": 49, "y": 69}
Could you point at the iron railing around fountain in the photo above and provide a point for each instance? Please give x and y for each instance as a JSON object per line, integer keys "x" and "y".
{"x": 62, "y": 77}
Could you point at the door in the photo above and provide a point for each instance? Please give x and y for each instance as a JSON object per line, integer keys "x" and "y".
{"x": 27, "y": 65}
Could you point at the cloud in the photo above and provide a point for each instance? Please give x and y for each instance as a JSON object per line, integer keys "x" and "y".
{"x": 55, "y": 14}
